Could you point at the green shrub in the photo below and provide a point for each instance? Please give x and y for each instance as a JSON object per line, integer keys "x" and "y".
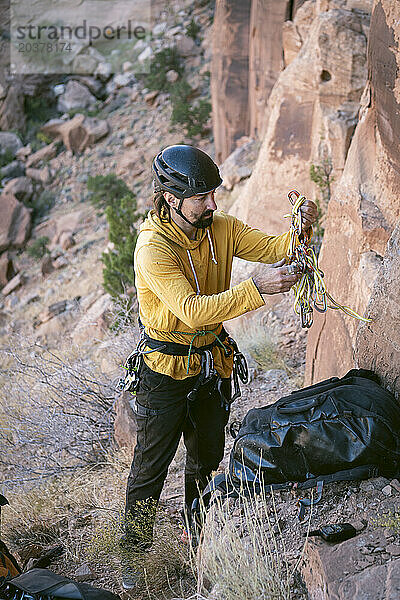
{"x": 193, "y": 29}
{"x": 38, "y": 110}
{"x": 118, "y": 274}
{"x": 43, "y": 138}
{"x": 162, "y": 62}
{"x": 105, "y": 190}
{"x": 192, "y": 116}
{"x": 6, "y": 157}
{"x": 41, "y": 205}
{"x": 88, "y": 112}
{"x": 38, "y": 248}
{"x": 321, "y": 175}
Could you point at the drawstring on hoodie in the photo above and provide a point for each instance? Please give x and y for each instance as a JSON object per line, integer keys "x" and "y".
{"x": 194, "y": 272}
{"x": 211, "y": 247}
{"x": 212, "y": 258}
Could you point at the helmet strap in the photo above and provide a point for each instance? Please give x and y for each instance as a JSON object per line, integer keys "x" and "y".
{"x": 180, "y": 213}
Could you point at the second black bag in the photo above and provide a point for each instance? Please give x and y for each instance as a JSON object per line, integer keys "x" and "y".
{"x": 346, "y": 428}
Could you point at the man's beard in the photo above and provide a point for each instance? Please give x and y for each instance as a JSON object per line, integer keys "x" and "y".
{"x": 203, "y": 222}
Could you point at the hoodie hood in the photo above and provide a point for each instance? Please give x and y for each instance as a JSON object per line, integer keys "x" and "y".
{"x": 171, "y": 231}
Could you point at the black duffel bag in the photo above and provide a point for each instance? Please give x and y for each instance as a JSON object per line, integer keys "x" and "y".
{"x": 336, "y": 426}
{"x": 335, "y": 430}
{"x": 42, "y": 584}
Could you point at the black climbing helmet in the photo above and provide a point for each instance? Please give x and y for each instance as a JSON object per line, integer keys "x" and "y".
{"x": 185, "y": 171}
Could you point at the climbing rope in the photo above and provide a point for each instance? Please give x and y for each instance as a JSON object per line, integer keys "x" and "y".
{"x": 310, "y": 291}
{"x": 200, "y": 333}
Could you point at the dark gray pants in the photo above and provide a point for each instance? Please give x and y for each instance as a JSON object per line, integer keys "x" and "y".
{"x": 163, "y": 413}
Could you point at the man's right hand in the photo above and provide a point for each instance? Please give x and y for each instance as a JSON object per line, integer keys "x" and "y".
{"x": 275, "y": 278}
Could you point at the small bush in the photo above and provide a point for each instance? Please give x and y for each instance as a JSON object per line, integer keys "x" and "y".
{"x": 88, "y": 112}
{"x": 193, "y": 29}
{"x": 6, "y": 157}
{"x": 104, "y": 190}
{"x": 162, "y": 62}
{"x": 38, "y": 248}
{"x": 118, "y": 274}
{"x": 38, "y": 110}
{"x": 321, "y": 175}
{"x": 192, "y": 116}
{"x": 43, "y": 138}
{"x": 41, "y": 204}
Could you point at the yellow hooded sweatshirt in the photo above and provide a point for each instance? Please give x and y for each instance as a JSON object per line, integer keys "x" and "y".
{"x": 183, "y": 285}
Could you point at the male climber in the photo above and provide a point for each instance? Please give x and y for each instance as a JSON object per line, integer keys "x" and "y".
{"x": 183, "y": 263}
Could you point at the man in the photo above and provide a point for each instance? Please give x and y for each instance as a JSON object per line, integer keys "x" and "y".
{"x": 183, "y": 261}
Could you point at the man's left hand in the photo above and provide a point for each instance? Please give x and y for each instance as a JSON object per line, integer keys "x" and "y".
{"x": 309, "y": 214}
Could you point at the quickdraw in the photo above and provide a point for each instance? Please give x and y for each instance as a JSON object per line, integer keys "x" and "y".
{"x": 310, "y": 291}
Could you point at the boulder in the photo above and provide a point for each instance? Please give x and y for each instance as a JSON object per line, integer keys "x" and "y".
{"x": 12, "y": 115}
{"x": 128, "y": 141}
{"x": 145, "y": 55}
{"x": 150, "y": 97}
{"x": 70, "y": 132}
{"x": 46, "y": 265}
{"x": 361, "y": 218}
{"x": 14, "y": 283}
{"x": 66, "y": 240}
{"x": 12, "y": 170}
{"x": 230, "y": 74}
{"x": 7, "y": 270}
{"x": 76, "y": 95}
{"x": 187, "y": 47}
{"x": 172, "y": 76}
{"x": 78, "y": 133}
{"x": 9, "y": 143}
{"x": 94, "y": 323}
{"x": 125, "y": 428}
{"x": 54, "y": 228}
{"x": 15, "y": 223}
{"x": 20, "y": 187}
{"x": 103, "y": 71}
{"x": 84, "y": 64}
{"x": 343, "y": 571}
{"x": 23, "y": 153}
{"x": 239, "y": 164}
{"x": 131, "y": 161}
{"x": 41, "y": 175}
{"x": 45, "y": 153}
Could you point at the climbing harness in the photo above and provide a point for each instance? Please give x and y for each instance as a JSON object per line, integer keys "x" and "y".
{"x": 208, "y": 373}
{"x": 310, "y": 291}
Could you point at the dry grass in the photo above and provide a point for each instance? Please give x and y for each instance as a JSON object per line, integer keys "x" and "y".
{"x": 243, "y": 553}
{"x": 256, "y": 340}
{"x": 84, "y": 514}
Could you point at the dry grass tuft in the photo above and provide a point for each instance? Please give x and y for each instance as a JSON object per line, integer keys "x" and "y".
{"x": 255, "y": 339}
{"x": 243, "y": 553}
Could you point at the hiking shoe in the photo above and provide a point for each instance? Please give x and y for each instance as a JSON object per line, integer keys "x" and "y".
{"x": 132, "y": 554}
{"x": 131, "y": 573}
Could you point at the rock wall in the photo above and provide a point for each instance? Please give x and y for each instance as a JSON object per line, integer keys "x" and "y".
{"x": 265, "y": 57}
{"x": 360, "y": 266}
{"x": 312, "y": 113}
{"x": 247, "y": 59}
{"x": 230, "y": 74}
